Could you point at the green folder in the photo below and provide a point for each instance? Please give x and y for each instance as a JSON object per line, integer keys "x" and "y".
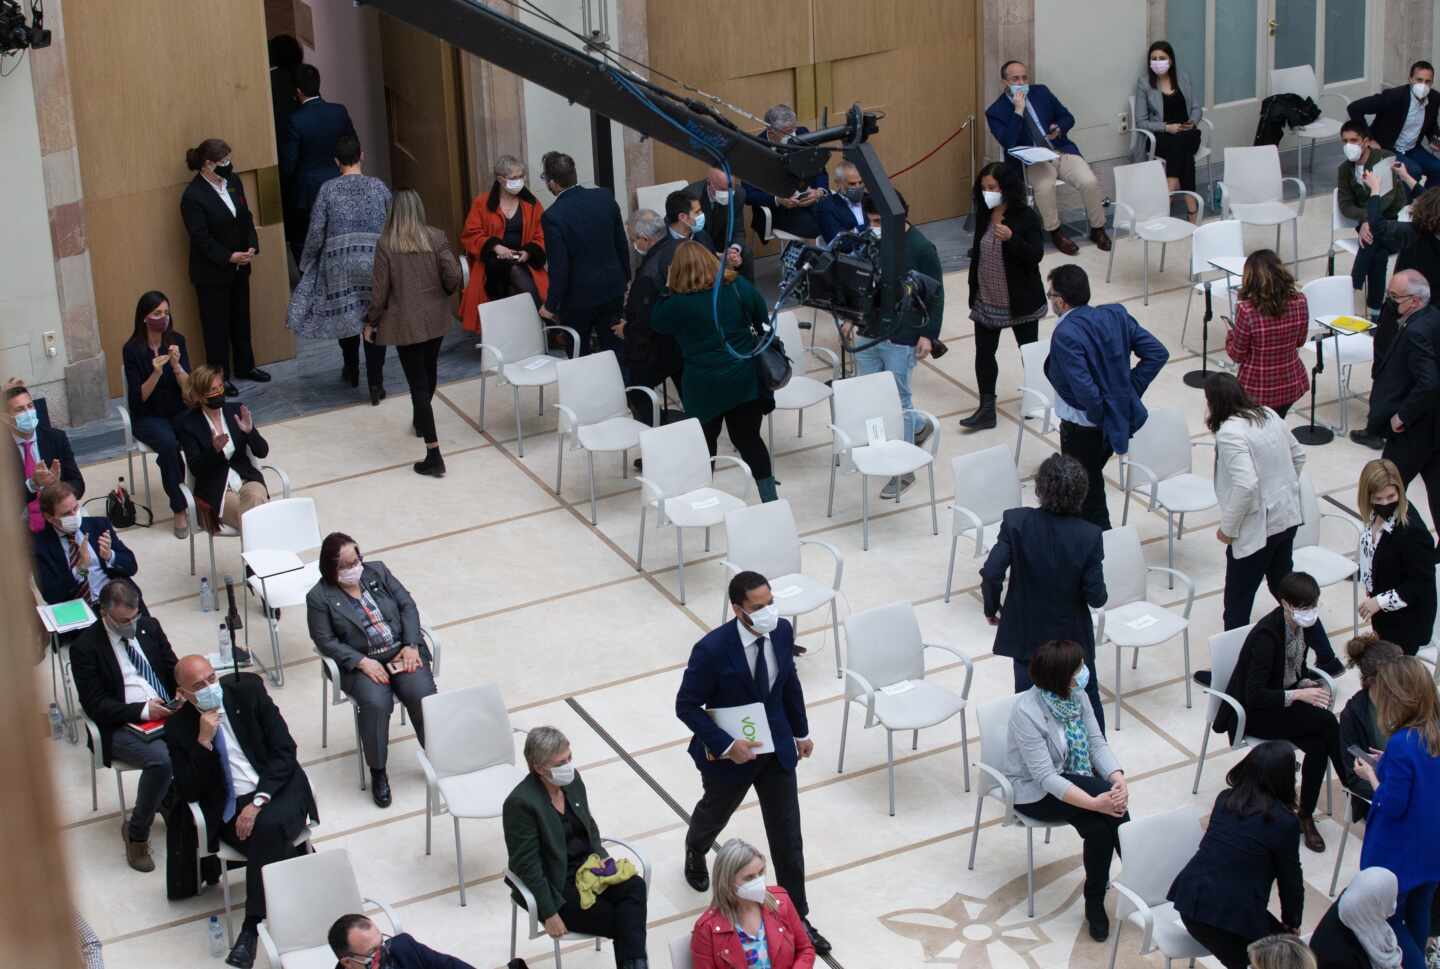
{"x": 69, "y": 613}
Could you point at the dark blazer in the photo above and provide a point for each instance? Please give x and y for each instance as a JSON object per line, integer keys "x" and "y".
{"x": 1227, "y": 884}
{"x": 587, "y": 252}
{"x": 1405, "y": 561}
{"x": 1011, "y": 130}
{"x": 266, "y": 741}
{"x": 307, "y": 155}
{"x": 535, "y": 840}
{"x": 1407, "y": 379}
{"x": 215, "y": 234}
{"x": 1055, "y": 564}
{"x": 167, "y": 399}
{"x": 209, "y": 465}
{"x": 719, "y": 217}
{"x": 282, "y": 106}
{"x": 1335, "y": 945}
{"x": 52, "y": 566}
{"x": 337, "y": 623}
{"x": 406, "y": 953}
{"x": 1021, "y": 254}
{"x": 1258, "y": 679}
{"x": 1089, "y": 367}
{"x": 717, "y": 676}
{"x": 835, "y": 216}
{"x": 53, "y": 445}
{"x": 1390, "y": 107}
{"x": 1358, "y": 729}
{"x": 98, "y": 679}
{"x": 1417, "y": 250}
{"x": 657, "y": 352}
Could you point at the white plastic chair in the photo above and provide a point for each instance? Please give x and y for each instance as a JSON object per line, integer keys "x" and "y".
{"x": 885, "y": 672}
{"x": 97, "y": 761}
{"x": 1338, "y": 220}
{"x": 228, "y": 856}
{"x": 537, "y": 929}
{"x": 332, "y": 693}
{"x": 303, "y": 898}
{"x": 803, "y": 390}
{"x": 987, "y": 483}
{"x": 1153, "y": 851}
{"x": 1325, "y": 566}
{"x": 1142, "y": 205}
{"x": 1130, "y": 620}
{"x": 594, "y": 415}
{"x": 679, "y": 484}
{"x": 272, "y": 536}
{"x": 859, "y": 403}
{"x": 1204, "y": 153}
{"x": 1215, "y": 240}
{"x": 513, "y": 349}
{"x": 764, "y": 538}
{"x": 1160, "y": 454}
{"x": 1301, "y": 80}
{"x": 134, "y": 446}
{"x": 187, "y": 489}
{"x": 468, "y": 759}
{"x": 653, "y": 197}
{"x": 1253, "y": 192}
{"x": 1329, "y": 297}
{"x": 1037, "y": 397}
{"x": 680, "y": 957}
{"x": 994, "y": 720}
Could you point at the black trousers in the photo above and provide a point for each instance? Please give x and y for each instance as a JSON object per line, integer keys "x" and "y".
{"x": 743, "y": 425}
{"x": 1228, "y": 947}
{"x": 1283, "y": 409}
{"x": 1099, "y": 832}
{"x": 376, "y": 702}
{"x": 374, "y": 358}
{"x": 421, "y": 362}
{"x": 779, "y": 808}
{"x": 1088, "y": 446}
{"x": 1243, "y": 575}
{"x": 987, "y": 343}
{"x": 618, "y": 913}
{"x": 593, "y": 324}
{"x": 1414, "y": 452}
{"x": 505, "y": 278}
{"x": 1092, "y": 689}
{"x": 225, "y": 320}
{"x": 267, "y": 843}
{"x": 159, "y": 434}
{"x": 1315, "y": 731}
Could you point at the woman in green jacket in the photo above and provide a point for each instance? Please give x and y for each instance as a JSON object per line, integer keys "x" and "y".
{"x": 718, "y": 386}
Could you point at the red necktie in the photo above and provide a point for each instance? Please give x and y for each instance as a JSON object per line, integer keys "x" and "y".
{"x": 37, "y": 520}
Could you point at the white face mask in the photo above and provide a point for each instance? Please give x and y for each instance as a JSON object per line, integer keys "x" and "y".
{"x": 722, "y": 196}
{"x": 70, "y": 524}
{"x": 1420, "y": 89}
{"x": 765, "y": 620}
{"x": 514, "y": 185}
{"x": 875, "y": 231}
{"x": 1353, "y": 150}
{"x": 753, "y": 890}
{"x": 562, "y": 775}
{"x": 350, "y": 576}
{"x": 1305, "y": 618}
{"x": 992, "y": 199}
{"x": 1159, "y": 66}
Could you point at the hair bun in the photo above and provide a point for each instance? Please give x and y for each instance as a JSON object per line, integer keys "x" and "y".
{"x": 193, "y": 160}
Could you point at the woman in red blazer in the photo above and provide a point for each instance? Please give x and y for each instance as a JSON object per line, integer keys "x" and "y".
{"x": 1271, "y": 323}
{"x": 504, "y": 243}
{"x": 748, "y": 925}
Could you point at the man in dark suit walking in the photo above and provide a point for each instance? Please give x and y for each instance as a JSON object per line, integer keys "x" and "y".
{"x": 1406, "y": 390}
{"x": 587, "y": 256}
{"x": 1405, "y": 119}
{"x": 232, "y": 753}
{"x": 307, "y": 156}
{"x": 750, "y": 659}
{"x": 45, "y": 454}
{"x": 125, "y": 674}
{"x": 75, "y": 555}
{"x": 723, "y": 201}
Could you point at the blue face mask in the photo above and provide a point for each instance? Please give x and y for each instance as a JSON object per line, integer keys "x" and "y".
{"x": 699, "y": 223}
{"x": 26, "y": 421}
{"x": 209, "y": 697}
{"x": 1019, "y": 89}
{"x": 1082, "y": 678}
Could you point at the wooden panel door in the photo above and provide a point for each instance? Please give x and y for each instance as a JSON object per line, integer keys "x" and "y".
{"x": 422, "y": 102}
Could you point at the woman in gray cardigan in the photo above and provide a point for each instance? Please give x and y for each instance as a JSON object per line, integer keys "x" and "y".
{"x": 1169, "y": 106}
{"x": 364, "y": 619}
{"x": 1062, "y": 769}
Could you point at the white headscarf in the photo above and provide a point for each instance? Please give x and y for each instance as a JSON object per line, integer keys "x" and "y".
{"x": 1364, "y": 907}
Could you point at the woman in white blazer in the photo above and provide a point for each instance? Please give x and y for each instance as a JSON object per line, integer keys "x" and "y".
{"x": 1257, "y": 480}
{"x": 1169, "y": 106}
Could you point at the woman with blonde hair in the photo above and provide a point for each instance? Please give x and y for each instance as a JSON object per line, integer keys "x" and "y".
{"x": 1358, "y": 724}
{"x": 504, "y": 242}
{"x": 1281, "y": 952}
{"x": 721, "y": 383}
{"x": 1397, "y": 560}
{"x": 219, "y": 438}
{"x": 748, "y": 923}
{"x": 1400, "y": 828}
{"x": 1272, "y": 320}
{"x": 416, "y": 276}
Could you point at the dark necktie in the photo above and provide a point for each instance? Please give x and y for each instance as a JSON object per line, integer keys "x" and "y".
{"x": 223, "y": 749}
{"x": 143, "y": 667}
{"x": 85, "y": 591}
{"x": 762, "y": 669}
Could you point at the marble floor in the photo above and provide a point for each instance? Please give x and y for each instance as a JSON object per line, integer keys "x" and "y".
{"x": 525, "y": 593}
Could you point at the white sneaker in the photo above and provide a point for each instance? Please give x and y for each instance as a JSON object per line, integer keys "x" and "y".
{"x": 897, "y": 486}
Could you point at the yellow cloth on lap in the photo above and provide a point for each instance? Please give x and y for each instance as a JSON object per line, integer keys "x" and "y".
{"x": 589, "y": 884}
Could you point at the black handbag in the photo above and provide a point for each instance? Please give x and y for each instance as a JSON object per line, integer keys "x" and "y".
{"x": 773, "y": 365}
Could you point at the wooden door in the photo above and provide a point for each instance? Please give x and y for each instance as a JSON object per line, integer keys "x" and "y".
{"x": 422, "y": 103}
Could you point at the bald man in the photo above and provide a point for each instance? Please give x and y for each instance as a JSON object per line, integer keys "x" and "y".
{"x": 841, "y": 211}
{"x": 723, "y": 200}
{"x": 232, "y": 753}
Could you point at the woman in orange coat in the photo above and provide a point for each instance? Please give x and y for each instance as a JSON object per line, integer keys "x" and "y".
{"x": 748, "y": 925}
{"x": 504, "y": 243}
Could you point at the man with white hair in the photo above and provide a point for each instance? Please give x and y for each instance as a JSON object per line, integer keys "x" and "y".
{"x": 650, "y": 358}
{"x": 841, "y": 211}
{"x": 794, "y": 213}
{"x": 1406, "y": 390}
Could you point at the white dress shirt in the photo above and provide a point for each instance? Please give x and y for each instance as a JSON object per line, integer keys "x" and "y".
{"x": 232, "y": 480}
{"x": 137, "y": 688}
{"x": 859, "y": 212}
{"x": 28, "y": 448}
{"x": 95, "y": 575}
{"x": 1410, "y": 131}
{"x": 748, "y": 640}
{"x": 241, "y": 770}
{"x": 223, "y": 190}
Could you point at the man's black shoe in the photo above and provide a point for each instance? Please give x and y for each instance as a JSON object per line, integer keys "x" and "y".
{"x": 1368, "y": 440}
{"x": 380, "y": 788}
{"x": 1202, "y": 677}
{"x": 697, "y": 874}
{"x": 242, "y": 953}
{"x": 231, "y": 390}
{"x": 257, "y": 375}
{"x": 821, "y": 944}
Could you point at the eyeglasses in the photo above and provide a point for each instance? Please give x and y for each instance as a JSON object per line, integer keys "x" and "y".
{"x": 375, "y": 957}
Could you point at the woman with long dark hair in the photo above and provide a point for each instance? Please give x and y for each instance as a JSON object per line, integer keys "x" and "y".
{"x": 1168, "y": 105}
{"x": 1272, "y": 321}
{"x": 1006, "y": 291}
{"x": 1222, "y": 895}
{"x": 156, "y": 365}
{"x": 504, "y": 243}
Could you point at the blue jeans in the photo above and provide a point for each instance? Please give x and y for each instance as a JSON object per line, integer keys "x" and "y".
{"x": 1411, "y": 923}
{"x": 1420, "y": 162}
{"x": 898, "y": 360}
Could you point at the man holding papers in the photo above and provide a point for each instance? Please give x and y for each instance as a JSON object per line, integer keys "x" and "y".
{"x": 748, "y": 661}
{"x": 1029, "y": 116}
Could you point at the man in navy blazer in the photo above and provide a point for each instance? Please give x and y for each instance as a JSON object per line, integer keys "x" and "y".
{"x": 841, "y": 211}
{"x": 587, "y": 255}
{"x": 307, "y": 155}
{"x": 750, "y": 659}
{"x": 795, "y": 214}
{"x": 75, "y": 556}
{"x": 1029, "y": 115}
{"x": 1405, "y": 119}
{"x": 45, "y": 450}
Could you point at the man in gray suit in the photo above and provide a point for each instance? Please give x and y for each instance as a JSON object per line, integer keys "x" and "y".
{"x": 722, "y": 200}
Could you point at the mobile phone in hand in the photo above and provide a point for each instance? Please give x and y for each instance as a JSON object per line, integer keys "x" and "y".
{"x": 175, "y": 704}
{"x": 395, "y": 666}
{"x": 1365, "y": 755}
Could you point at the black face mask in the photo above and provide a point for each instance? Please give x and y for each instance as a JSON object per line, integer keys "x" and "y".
{"x": 1386, "y": 511}
{"x": 216, "y": 402}
{"x": 854, "y": 195}
{"x": 225, "y": 171}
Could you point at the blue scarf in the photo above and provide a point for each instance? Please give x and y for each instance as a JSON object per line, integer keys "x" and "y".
{"x": 1070, "y": 715}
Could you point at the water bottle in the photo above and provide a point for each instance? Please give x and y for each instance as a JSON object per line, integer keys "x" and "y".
{"x": 207, "y": 595}
{"x": 217, "y": 938}
{"x": 57, "y": 722}
{"x": 227, "y": 655}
